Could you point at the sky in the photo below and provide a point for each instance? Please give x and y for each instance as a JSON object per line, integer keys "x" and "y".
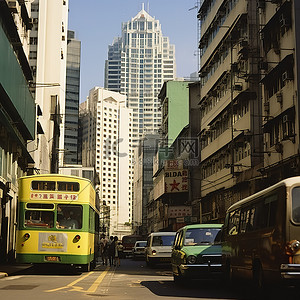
{"x": 97, "y": 22}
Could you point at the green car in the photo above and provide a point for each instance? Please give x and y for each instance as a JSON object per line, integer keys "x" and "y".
{"x": 197, "y": 252}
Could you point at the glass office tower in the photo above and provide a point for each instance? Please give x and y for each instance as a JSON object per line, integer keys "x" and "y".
{"x": 138, "y": 64}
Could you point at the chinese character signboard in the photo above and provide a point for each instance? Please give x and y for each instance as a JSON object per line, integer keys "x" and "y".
{"x": 53, "y": 196}
{"x": 176, "y": 181}
{"x": 54, "y": 242}
{"x": 179, "y": 211}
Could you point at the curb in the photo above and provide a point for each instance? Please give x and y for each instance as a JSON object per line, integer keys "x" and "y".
{"x": 3, "y": 275}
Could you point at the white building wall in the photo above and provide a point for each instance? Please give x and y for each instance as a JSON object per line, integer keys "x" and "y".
{"x": 50, "y": 74}
{"x": 110, "y": 123}
{"x": 125, "y": 167}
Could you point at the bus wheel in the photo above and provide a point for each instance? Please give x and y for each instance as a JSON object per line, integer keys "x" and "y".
{"x": 258, "y": 276}
{"x": 87, "y": 267}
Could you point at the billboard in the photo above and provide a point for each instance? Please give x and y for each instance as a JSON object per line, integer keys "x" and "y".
{"x": 176, "y": 181}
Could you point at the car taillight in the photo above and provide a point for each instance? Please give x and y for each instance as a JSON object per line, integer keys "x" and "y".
{"x": 26, "y": 236}
{"x": 153, "y": 252}
{"x": 76, "y": 238}
{"x": 292, "y": 247}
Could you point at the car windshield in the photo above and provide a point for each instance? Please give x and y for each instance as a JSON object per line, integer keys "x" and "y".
{"x": 163, "y": 240}
{"x": 141, "y": 244}
{"x": 201, "y": 236}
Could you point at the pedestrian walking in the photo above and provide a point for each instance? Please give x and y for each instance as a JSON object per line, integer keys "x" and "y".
{"x": 103, "y": 249}
{"x": 120, "y": 252}
{"x": 117, "y": 256}
{"x": 111, "y": 250}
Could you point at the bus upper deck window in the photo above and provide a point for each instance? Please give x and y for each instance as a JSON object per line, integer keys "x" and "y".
{"x": 43, "y": 185}
{"x": 68, "y": 186}
{"x": 296, "y": 204}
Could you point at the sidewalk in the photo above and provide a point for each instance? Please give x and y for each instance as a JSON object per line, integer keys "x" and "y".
{"x": 10, "y": 269}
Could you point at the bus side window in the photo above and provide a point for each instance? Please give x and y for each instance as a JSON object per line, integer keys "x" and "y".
{"x": 271, "y": 208}
{"x": 259, "y": 217}
{"x": 247, "y": 219}
{"x": 265, "y": 213}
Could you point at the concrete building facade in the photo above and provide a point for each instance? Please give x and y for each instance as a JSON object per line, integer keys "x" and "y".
{"x": 249, "y": 105}
{"x": 143, "y": 181}
{"x": 280, "y": 41}
{"x": 174, "y": 98}
{"x": 48, "y": 58}
{"x": 107, "y": 146}
{"x": 17, "y": 115}
{"x": 230, "y": 104}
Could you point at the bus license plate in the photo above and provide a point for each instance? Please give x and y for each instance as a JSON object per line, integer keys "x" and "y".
{"x": 52, "y": 258}
{"x": 165, "y": 259}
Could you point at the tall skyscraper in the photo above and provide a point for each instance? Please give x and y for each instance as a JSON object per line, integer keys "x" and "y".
{"x": 138, "y": 64}
{"x": 72, "y": 99}
{"x": 106, "y": 145}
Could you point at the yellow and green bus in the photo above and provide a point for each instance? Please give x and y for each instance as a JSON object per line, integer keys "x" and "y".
{"x": 58, "y": 221}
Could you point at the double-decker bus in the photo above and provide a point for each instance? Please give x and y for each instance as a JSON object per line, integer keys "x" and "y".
{"x": 261, "y": 235}
{"x": 58, "y": 221}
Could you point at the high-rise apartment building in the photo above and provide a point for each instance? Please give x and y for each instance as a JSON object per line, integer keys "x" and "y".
{"x": 47, "y": 58}
{"x": 230, "y": 104}
{"x": 249, "y": 105}
{"x": 279, "y": 67}
{"x": 107, "y": 146}
{"x": 72, "y": 100}
{"x": 138, "y": 64}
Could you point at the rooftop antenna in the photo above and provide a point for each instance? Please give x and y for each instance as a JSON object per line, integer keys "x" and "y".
{"x": 143, "y": 6}
{"x": 148, "y": 7}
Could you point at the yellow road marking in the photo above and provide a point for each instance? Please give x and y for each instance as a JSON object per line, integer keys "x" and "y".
{"x": 96, "y": 283}
{"x": 72, "y": 283}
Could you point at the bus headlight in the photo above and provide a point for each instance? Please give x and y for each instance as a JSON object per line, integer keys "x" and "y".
{"x": 26, "y": 236}
{"x": 292, "y": 247}
{"x": 191, "y": 259}
{"x": 153, "y": 252}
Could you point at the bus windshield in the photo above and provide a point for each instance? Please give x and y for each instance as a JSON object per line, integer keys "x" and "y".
{"x": 200, "y": 236}
{"x": 38, "y": 219}
{"x": 69, "y": 216}
{"x": 296, "y": 204}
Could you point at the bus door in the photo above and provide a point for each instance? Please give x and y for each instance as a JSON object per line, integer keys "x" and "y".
{"x": 230, "y": 246}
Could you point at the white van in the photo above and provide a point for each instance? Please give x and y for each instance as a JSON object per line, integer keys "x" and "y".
{"x": 159, "y": 247}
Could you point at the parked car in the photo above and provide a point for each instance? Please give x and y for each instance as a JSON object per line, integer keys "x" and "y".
{"x": 128, "y": 242}
{"x": 139, "y": 249}
{"x": 159, "y": 247}
{"x": 197, "y": 252}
